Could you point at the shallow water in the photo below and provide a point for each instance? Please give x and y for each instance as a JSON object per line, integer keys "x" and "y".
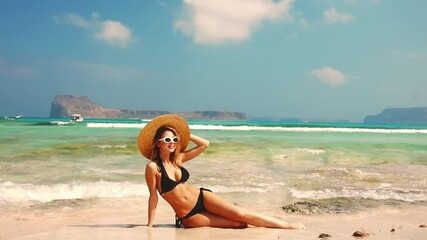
{"x": 264, "y": 164}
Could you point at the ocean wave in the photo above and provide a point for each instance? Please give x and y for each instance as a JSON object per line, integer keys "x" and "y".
{"x": 315, "y": 151}
{"x": 305, "y": 129}
{"x": 90, "y": 171}
{"x": 116, "y": 125}
{"x": 14, "y": 192}
{"x": 11, "y": 192}
{"x": 112, "y": 146}
{"x": 406, "y": 195}
{"x": 50, "y": 123}
{"x": 61, "y": 123}
{"x": 266, "y": 128}
{"x": 254, "y": 188}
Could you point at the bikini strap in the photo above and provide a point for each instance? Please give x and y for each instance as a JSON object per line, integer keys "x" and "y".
{"x": 178, "y": 222}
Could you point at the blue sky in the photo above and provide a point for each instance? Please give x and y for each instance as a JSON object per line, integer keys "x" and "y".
{"x": 328, "y": 59}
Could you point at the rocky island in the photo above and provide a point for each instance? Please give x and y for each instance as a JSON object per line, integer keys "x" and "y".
{"x": 63, "y": 106}
{"x": 399, "y": 116}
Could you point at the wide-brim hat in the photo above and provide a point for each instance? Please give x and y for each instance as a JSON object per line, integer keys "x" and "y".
{"x": 146, "y": 136}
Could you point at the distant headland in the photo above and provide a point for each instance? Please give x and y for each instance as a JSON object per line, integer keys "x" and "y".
{"x": 63, "y": 106}
{"x": 399, "y": 116}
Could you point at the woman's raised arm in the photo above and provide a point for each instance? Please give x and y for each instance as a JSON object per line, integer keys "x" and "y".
{"x": 201, "y": 145}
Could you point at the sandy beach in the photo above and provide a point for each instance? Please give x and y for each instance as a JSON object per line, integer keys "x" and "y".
{"x": 125, "y": 219}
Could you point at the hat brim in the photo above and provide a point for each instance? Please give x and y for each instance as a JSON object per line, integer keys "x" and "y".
{"x": 146, "y": 136}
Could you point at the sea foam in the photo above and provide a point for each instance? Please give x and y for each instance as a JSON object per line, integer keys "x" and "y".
{"x": 407, "y": 195}
{"x": 14, "y": 192}
{"x": 266, "y": 128}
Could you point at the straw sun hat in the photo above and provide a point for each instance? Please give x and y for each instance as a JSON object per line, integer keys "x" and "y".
{"x": 146, "y": 136}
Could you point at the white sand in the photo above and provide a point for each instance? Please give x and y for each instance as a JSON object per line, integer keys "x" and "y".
{"x": 125, "y": 219}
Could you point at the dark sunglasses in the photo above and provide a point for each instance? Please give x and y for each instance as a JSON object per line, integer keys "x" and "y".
{"x": 169, "y": 139}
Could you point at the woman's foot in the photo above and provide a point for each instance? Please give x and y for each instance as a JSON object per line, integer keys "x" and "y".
{"x": 298, "y": 226}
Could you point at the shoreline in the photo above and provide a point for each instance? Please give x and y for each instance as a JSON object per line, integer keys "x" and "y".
{"x": 125, "y": 218}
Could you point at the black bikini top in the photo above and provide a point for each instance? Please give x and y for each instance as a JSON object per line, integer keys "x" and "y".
{"x": 168, "y": 184}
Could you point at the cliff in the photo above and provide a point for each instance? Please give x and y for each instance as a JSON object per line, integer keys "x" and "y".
{"x": 63, "y": 106}
{"x": 400, "y": 116}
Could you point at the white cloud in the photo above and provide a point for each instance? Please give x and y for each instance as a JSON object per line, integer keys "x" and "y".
{"x": 332, "y": 16}
{"x": 14, "y": 70}
{"x": 111, "y": 32}
{"x": 330, "y": 76}
{"x": 217, "y": 21}
{"x": 114, "y": 33}
{"x": 76, "y": 20}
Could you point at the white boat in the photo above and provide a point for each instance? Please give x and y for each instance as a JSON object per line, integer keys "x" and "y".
{"x": 76, "y": 118}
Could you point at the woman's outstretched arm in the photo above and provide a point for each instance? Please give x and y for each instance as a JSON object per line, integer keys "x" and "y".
{"x": 201, "y": 145}
{"x": 150, "y": 178}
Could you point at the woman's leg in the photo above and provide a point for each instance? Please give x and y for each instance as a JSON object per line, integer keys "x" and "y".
{"x": 218, "y": 206}
{"x": 206, "y": 219}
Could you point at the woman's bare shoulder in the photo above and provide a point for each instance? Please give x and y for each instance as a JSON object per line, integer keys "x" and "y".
{"x": 152, "y": 166}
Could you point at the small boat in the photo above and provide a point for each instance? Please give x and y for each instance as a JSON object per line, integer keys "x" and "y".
{"x": 18, "y": 116}
{"x": 76, "y": 118}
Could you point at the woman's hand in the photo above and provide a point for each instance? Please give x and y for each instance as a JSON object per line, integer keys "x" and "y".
{"x": 201, "y": 145}
{"x": 199, "y": 141}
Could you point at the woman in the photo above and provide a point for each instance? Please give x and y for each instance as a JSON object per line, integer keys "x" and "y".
{"x": 164, "y": 140}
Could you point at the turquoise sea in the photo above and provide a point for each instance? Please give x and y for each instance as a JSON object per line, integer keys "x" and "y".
{"x": 339, "y": 166}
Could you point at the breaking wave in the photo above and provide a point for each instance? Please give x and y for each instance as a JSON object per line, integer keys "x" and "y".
{"x": 266, "y": 128}
{"x": 14, "y": 192}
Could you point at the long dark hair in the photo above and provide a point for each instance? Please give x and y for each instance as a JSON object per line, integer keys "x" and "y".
{"x": 175, "y": 156}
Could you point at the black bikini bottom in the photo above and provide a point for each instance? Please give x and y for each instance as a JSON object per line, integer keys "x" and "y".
{"x": 198, "y": 208}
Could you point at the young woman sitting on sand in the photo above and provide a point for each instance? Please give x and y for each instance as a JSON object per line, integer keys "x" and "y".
{"x": 163, "y": 141}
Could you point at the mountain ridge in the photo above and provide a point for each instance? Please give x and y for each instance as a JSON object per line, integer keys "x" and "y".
{"x": 63, "y": 106}
{"x": 416, "y": 115}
